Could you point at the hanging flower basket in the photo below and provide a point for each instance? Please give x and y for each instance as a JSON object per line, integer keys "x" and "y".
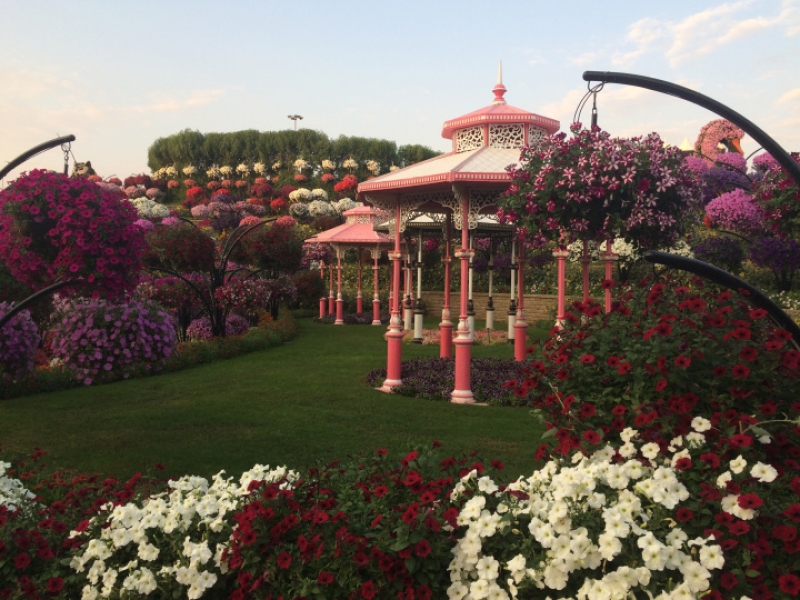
{"x": 592, "y": 186}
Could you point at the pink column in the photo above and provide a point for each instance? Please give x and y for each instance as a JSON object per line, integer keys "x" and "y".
{"x": 331, "y": 297}
{"x": 323, "y": 301}
{"x": 394, "y": 337}
{"x": 609, "y": 257}
{"x": 561, "y": 256}
{"x": 359, "y": 300}
{"x": 586, "y": 260}
{"x": 462, "y": 394}
{"x": 376, "y": 297}
{"x": 339, "y": 300}
{"x": 446, "y": 326}
{"x": 520, "y": 325}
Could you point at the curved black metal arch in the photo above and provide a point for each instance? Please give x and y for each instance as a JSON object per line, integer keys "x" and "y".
{"x": 672, "y": 89}
{"x": 34, "y": 151}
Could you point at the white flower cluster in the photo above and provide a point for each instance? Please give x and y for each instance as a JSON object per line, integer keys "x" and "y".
{"x": 549, "y": 528}
{"x": 328, "y": 165}
{"x": 276, "y": 165}
{"x": 243, "y": 170}
{"x": 345, "y": 204}
{"x": 373, "y": 166}
{"x": 259, "y": 168}
{"x": 166, "y": 172}
{"x": 12, "y": 492}
{"x": 299, "y": 210}
{"x": 226, "y": 171}
{"x": 149, "y": 209}
{"x": 213, "y": 172}
{"x": 300, "y": 164}
{"x": 319, "y": 194}
{"x": 350, "y": 164}
{"x": 299, "y": 195}
{"x": 320, "y": 208}
{"x": 394, "y": 168}
{"x": 171, "y": 535}
{"x": 624, "y": 251}
{"x": 189, "y": 170}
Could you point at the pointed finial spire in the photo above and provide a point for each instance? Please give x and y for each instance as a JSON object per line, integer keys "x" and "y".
{"x": 499, "y": 89}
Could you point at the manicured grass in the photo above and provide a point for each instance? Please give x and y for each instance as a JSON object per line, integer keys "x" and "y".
{"x": 297, "y": 404}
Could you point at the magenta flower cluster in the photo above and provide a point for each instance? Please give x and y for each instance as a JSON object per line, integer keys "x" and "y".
{"x": 736, "y": 211}
{"x": 200, "y": 329}
{"x": 102, "y": 341}
{"x": 53, "y": 227}
{"x": 19, "y": 339}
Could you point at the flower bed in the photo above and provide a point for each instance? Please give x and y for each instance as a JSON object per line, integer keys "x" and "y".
{"x": 434, "y": 378}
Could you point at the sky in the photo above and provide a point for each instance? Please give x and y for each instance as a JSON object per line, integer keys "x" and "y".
{"x": 119, "y": 75}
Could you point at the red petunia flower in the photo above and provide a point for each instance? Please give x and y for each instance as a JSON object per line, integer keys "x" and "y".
{"x": 748, "y": 353}
{"x": 22, "y": 560}
{"x": 587, "y": 359}
{"x": 284, "y": 560}
{"x": 740, "y": 371}
{"x": 683, "y": 464}
{"x": 591, "y": 436}
{"x": 789, "y": 584}
{"x": 619, "y": 410}
{"x": 661, "y": 384}
{"x": 624, "y": 368}
{"x": 741, "y": 440}
{"x": 728, "y": 581}
{"x": 586, "y": 410}
{"x": 793, "y": 512}
{"x": 613, "y": 361}
{"x": 738, "y": 528}
{"x": 325, "y": 578}
{"x": 422, "y": 548}
{"x": 682, "y": 361}
{"x": 711, "y": 459}
{"x": 683, "y": 515}
{"x": 367, "y": 590}
{"x": 54, "y": 585}
{"x": 750, "y": 501}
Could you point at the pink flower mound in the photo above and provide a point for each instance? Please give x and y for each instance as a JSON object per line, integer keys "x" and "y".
{"x": 145, "y": 224}
{"x": 247, "y": 221}
{"x": 765, "y": 162}
{"x": 736, "y": 211}
{"x": 285, "y": 221}
{"x": 55, "y": 228}
{"x": 200, "y": 329}
{"x": 19, "y": 339}
{"x": 696, "y": 165}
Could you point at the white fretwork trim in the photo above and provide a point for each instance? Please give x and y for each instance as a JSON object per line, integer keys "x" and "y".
{"x": 506, "y": 136}
{"x": 469, "y": 139}
{"x": 535, "y": 135}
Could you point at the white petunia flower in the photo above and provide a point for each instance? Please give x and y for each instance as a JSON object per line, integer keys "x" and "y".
{"x": 764, "y": 473}
{"x": 738, "y": 464}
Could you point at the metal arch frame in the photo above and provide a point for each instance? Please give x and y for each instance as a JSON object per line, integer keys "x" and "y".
{"x": 34, "y": 151}
{"x": 672, "y": 89}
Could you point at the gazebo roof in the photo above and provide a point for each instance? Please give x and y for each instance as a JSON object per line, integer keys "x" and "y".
{"x": 356, "y": 231}
{"x": 485, "y": 143}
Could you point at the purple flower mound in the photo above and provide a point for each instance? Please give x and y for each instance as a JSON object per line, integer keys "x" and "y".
{"x": 723, "y": 252}
{"x": 736, "y": 211}
{"x": 170, "y": 221}
{"x": 720, "y": 179}
{"x": 101, "y": 341}
{"x": 200, "y": 329}
{"x": 19, "y": 340}
{"x": 734, "y": 160}
{"x": 696, "y": 165}
{"x": 434, "y": 379}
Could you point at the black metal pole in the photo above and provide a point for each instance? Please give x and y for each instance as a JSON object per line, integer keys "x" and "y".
{"x": 671, "y": 89}
{"x": 33, "y": 152}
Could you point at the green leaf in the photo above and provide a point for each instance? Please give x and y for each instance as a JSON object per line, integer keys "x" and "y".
{"x": 751, "y": 573}
{"x": 549, "y": 433}
{"x": 399, "y": 545}
{"x": 411, "y": 564}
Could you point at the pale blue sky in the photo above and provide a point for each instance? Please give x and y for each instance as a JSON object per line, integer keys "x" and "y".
{"x": 118, "y": 75}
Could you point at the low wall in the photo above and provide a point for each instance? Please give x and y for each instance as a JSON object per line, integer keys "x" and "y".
{"x": 538, "y": 307}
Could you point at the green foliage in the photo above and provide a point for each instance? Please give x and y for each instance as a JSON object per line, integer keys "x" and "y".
{"x": 202, "y": 150}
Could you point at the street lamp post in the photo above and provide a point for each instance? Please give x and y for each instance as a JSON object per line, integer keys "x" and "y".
{"x": 295, "y": 118}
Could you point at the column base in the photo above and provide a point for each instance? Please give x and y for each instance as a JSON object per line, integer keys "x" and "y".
{"x": 462, "y": 397}
{"x": 389, "y": 385}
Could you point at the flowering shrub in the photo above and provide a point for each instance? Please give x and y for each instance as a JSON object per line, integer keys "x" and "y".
{"x": 245, "y": 296}
{"x": 274, "y": 247}
{"x": 103, "y": 341}
{"x": 765, "y": 162}
{"x": 736, "y": 211}
{"x": 298, "y": 210}
{"x": 182, "y": 248}
{"x": 349, "y": 182}
{"x": 53, "y": 227}
{"x": 194, "y": 195}
{"x": 779, "y": 197}
{"x": 434, "y": 378}
{"x": 200, "y": 329}
{"x": 591, "y": 185}
{"x": 176, "y": 294}
{"x": 19, "y": 339}
{"x": 720, "y": 179}
{"x": 780, "y": 256}
{"x": 722, "y": 251}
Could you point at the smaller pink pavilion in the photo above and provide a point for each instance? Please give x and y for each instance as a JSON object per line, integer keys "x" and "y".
{"x": 457, "y": 188}
{"x": 356, "y": 232}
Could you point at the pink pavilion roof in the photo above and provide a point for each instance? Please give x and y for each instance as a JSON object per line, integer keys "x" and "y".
{"x": 356, "y": 231}
{"x": 484, "y": 163}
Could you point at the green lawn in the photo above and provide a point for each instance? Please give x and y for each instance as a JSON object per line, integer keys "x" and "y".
{"x": 296, "y": 404}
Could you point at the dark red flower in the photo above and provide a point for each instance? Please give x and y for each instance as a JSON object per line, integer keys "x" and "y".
{"x": 740, "y": 371}
{"x": 587, "y": 359}
{"x": 683, "y": 515}
{"x": 682, "y": 361}
{"x": 661, "y": 384}
{"x": 496, "y": 464}
{"x": 367, "y": 590}
{"x": 325, "y": 578}
{"x": 284, "y": 560}
{"x": 624, "y": 368}
{"x": 613, "y": 361}
{"x": 54, "y": 585}
{"x": 738, "y": 528}
{"x": 683, "y": 464}
{"x": 711, "y": 459}
{"x": 22, "y": 560}
{"x": 750, "y": 501}
{"x": 793, "y": 512}
{"x": 380, "y": 491}
{"x": 591, "y": 436}
{"x": 728, "y": 581}
{"x": 741, "y": 440}
{"x": 789, "y": 584}
{"x": 422, "y": 548}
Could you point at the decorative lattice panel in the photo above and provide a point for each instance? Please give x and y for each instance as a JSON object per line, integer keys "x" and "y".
{"x": 506, "y": 136}
{"x": 469, "y": 139}
{"x": 535, "y": 135}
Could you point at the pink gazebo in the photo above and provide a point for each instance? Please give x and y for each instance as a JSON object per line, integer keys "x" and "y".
{"x": 461, "y": 184}
{"x": 356, "y": 232}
